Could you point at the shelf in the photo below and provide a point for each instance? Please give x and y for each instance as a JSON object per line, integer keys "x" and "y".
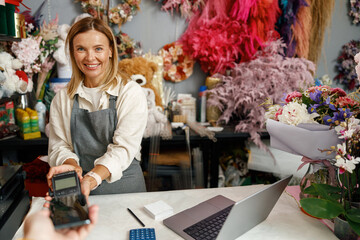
{"x": 8, "y": 38}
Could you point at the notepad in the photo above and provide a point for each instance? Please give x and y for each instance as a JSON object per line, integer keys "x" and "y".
{"x": 159, "y": 210}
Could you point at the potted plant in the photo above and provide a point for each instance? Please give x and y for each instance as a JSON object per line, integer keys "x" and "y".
{"x": 336, "y": 202}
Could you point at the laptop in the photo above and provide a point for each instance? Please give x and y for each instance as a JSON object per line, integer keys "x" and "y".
{"x": 223, "y": 219}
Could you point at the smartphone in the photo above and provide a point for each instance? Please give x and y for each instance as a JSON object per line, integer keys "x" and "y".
{"x": 68, "y": 207}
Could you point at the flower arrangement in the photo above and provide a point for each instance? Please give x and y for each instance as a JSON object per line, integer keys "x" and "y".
{"x": 119, "y": 14}
{"x": 126, "y": 46}
{"x": 318, "y": 104}
{"x": 187, "y": 8}
{"x": 36, "y": 52}
{"x": 177, "y": 65}
{"x": 354, "y": 11}
{"x": 346, "y": 65}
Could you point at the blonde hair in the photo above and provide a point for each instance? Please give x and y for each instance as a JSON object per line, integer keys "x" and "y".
{"x": 111, "y": 73}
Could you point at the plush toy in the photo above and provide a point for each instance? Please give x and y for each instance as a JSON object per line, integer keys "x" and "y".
{"x": 142, "y": 71}
{"x": 12, "y": 82}
{"x": 157, "y": 121}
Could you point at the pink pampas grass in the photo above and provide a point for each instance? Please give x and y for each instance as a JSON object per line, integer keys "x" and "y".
{"x": 270, "y": 75}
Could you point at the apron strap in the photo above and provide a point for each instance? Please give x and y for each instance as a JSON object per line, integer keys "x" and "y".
{"x": 112, "y": 102}
{"x": 76, "y": 101}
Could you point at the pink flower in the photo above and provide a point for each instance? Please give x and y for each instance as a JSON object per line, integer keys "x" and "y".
{"x": 291, "y": 96}
{"x": 345, "y": 102}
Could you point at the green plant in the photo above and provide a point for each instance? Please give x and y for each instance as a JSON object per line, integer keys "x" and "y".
{"x": 329, "y": 202}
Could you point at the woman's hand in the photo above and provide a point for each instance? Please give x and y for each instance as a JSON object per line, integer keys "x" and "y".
{"x": 86, "y": 187}
{"x": 39, "y": 226}
{"x": 67, "y": 166}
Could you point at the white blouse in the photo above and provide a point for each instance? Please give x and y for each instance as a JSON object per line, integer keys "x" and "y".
{"x": 132, "y": 114}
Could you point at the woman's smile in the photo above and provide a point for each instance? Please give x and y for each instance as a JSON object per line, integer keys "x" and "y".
{"x": 92, "y": 53}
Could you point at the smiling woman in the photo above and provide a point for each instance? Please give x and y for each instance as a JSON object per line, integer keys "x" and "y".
{"x": 92, "y": 57}
{"x": 97, "y": 122}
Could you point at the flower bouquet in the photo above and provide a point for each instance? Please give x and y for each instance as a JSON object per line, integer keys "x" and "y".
{"x": 304, "y": 125}
{"x": 305, "y": 120}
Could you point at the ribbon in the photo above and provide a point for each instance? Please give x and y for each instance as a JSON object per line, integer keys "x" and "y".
{"x": 327, "y": 163}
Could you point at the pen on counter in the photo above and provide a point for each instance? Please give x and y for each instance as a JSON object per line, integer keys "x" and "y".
{"x": 136, "y": 217}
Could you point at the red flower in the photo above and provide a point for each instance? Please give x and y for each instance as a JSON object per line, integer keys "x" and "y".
{"x": 339, "y": 91}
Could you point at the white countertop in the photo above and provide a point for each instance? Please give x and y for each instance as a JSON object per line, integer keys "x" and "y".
{"x": 286, "y": 221}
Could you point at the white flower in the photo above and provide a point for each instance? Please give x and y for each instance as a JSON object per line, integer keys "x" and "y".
{"x": 270, "y": 114}
{"x": 347, "y": 129}
{"x": 294, "y": 113}
{"x": 347, "y": 165}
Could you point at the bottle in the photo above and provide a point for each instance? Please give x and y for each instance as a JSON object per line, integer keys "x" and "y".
{"x": 34, "y": 120}
{"x": 41, "y": 110}
{"x": 202, "y": 105}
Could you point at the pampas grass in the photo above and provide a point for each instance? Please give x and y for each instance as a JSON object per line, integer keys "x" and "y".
{"x": 270, "y": 75}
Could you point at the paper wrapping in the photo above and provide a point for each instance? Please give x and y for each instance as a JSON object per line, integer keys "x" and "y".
{"x": 304, "y": 139}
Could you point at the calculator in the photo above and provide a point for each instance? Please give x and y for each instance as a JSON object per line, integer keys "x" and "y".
{"x": 142, "y": 234}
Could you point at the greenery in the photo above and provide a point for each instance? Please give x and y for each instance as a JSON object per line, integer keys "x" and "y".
{"x": 329, "y": 202}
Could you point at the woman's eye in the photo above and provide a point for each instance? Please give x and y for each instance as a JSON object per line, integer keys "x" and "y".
{"x": 80, "y": 49}
{"x": 98, "y": 49}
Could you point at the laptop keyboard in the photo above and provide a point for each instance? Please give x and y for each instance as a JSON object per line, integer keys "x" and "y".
{"x": 210, "y": 227}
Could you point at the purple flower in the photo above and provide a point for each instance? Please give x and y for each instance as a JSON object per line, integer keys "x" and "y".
{"x": 344, "y": 113}
{"x": 331, "y": 106}
{"x": 313, "y": 107}
{"x": 328, "y": 120}
{"x": 315, "y": 96}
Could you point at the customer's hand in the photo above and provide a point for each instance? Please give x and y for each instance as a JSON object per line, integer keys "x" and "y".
{"x": 39, "y": 226}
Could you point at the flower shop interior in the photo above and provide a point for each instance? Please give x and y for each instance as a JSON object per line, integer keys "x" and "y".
{"x": 245, "y": 93}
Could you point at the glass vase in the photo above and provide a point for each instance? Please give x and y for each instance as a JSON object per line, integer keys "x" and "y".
{"x": 317, "y": 173}
{"x": 343, "y": 230}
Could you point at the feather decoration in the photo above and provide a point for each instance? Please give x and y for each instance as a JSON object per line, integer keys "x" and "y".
{"x": 261, "y": 22}
{"x": 269, "y": 75}
{"x": 241, "y": 9}
{"x": 302, "y": 29}
{"x": 321, "y": 11}
{"x": 213, "y": 39}
{"x": 288, "y": 19}
{"x": 217, "y": 41}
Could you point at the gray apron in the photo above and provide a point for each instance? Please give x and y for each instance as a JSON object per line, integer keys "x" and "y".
{"x": 91, "y": 133}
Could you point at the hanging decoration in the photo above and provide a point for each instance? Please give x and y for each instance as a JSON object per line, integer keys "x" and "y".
{"x": 354, "y": 11}
{"x": 302, "y": 30}
{"x": 346, "y": 65}
{"x": 217, "y": 41}
{"x": 126, "y": 46}
{"x": 321, "y": 11}
{"x": 287, "y": 22}
{"x": 177, "y": 65}
{"x": 187, "y": 8}
{"x": 119, "y": 14}
{"x": 241, "y": 94}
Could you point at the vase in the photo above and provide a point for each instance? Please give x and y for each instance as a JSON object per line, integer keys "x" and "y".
{"x": 317, "y": 173}
{"x": 343, "y": 230}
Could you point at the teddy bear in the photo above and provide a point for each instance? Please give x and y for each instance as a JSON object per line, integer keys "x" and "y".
{"x": 14, "y": 80}
{"x": 141, "y": 71}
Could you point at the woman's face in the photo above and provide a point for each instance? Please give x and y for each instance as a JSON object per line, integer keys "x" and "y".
{"x": 92, "y": 54}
